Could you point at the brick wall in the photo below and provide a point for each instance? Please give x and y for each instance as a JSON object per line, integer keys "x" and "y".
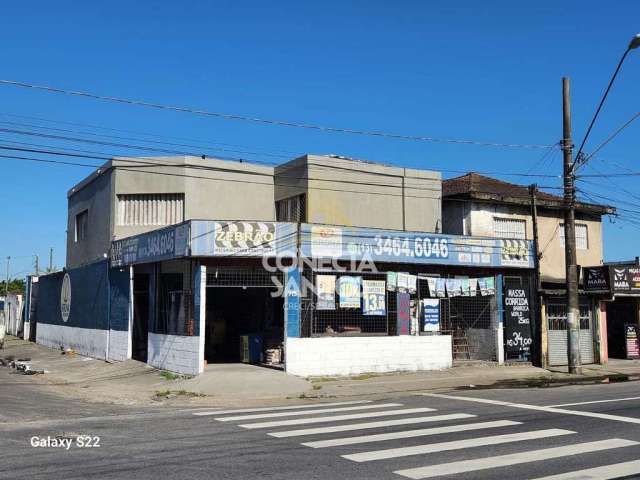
{"x": 354, "y": 355}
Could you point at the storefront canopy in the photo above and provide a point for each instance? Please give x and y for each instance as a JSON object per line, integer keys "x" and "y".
{"x": 214, "y": 238}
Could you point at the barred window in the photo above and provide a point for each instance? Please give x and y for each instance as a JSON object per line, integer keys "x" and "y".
{"x": 582, "y": 236}
{"x": 509, "y": 228}
{"x": 150, "y": 209}
{"x": 292, "y": 209}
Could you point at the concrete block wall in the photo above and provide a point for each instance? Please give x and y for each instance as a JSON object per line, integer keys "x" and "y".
{"x": 176, "y": 353}
{"x": 85, "y": 341}
{"x": 119, "y": 345}
{"x": 354, "y": 355}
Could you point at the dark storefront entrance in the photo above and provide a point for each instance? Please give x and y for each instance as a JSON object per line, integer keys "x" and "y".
{"x": 243, "y": 319}
{"x": 620, "y": 312}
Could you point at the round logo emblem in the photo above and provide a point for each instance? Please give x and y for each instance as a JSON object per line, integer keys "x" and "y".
{"x": 65, "y": 297}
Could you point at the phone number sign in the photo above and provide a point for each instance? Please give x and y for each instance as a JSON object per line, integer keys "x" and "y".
{"x": 347, "y": 243}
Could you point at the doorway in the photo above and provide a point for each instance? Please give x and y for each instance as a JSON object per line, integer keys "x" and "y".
{"x": 140, "y": 328}
{"x": 619, "y": 312}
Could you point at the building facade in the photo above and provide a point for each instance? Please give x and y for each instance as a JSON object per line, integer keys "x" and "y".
{"x": 474, "y": 204}
{"x": 325, "y": 265}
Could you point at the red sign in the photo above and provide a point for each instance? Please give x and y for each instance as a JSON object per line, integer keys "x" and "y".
{"x": 404, "y": 314}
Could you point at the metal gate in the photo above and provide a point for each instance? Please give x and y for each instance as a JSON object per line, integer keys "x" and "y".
{"x": 557, "y": 334}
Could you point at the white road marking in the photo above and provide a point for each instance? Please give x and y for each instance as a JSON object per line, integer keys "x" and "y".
{"x": 336, "y": 418}
{"x": 274, "y": 409}
{"x": 455, "y": 445}
{"x": 337, "y": 442}
{"x": 602, "y": 416}
{"x": 306, "y": 412}
{"x": 463, "y": 466}
{"x": 607, "y": 472}
{"x": 595, "y": 401}
{"x": 368, "y": 425}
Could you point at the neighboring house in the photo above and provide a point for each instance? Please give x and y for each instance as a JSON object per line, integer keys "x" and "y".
{"x": 474, "y": 204}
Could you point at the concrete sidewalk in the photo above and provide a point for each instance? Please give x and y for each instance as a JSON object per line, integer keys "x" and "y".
{"x": 135, "y": 383}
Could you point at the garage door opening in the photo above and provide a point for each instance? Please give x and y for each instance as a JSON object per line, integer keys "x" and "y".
{"x": 244, "y": 321}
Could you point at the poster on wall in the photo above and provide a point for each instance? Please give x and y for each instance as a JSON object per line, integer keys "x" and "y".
{"x": 392, "y": 281}
{"x": 403, "y": 282}
{"x": 349, "y": 291}
{"x": 412, "y": 283}
{"x": 326, "y": 291}
{"x": 374, "y": 297}
{"x": 430, "y": 314}
{"x": 465, "y": 287}
{"x": 632, "y": 340}
{"x": 517, "y": 324}
{"x": 403, "y": 319}
{"x": 440, "y": 287}
{"x": 473, "y": 286}
{"x": 432, "y": 287}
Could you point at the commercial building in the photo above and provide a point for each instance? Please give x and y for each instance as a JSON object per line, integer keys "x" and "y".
{"x": 331, "y": 265}
{"x": 477, "y": 205}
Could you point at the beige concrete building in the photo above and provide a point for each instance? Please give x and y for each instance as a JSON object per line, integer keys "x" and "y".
{"x": 477, "y": 205}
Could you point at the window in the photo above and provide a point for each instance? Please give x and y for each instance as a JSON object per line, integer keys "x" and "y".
{"x": 509, "y": 228}
{"x": 150, "y": 209}
{"x": 291, "y": 209}
{"x": 582, "y": 236}
{"x": 82, "y": 225}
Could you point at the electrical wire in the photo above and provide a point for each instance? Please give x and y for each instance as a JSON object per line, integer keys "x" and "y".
{"x": 281, "y": 123}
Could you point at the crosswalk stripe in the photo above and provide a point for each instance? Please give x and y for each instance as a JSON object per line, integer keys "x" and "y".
{"x": 606, "y": 472}
{"x": 336, "y": 418}
{"x": 275, "y": 409}
{"x": 464, "y": 466}
{"x": 456, "y": 445}
{"x": 337, "y": 442}
{"x": 368, "y": 425}
{"x": 306, "y": 412}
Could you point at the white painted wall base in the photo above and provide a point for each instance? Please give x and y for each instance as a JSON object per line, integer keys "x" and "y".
{"x": 85, "y": 341}
{"x": 175, "y": 353}
{"x": 308, "y": 357}
{"x": 118, "y": 345}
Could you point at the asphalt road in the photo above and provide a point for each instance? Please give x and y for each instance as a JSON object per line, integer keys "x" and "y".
{"x": 481, "y": 434}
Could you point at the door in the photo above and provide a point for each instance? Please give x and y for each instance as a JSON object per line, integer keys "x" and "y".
{"x": 140, "y": 316}
{"x": 557, "y": 334}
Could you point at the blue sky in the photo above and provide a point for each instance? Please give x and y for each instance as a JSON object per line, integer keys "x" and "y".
{"x": 489, "y": 72}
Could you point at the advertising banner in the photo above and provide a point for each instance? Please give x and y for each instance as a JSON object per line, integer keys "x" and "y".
{"x": 326, "y": 292}
{"x": 392, "y": 281}
{"x": 517, "y": 325}
{"x": 351, "y": 243}
{"x": 374, "y": 297}
{"x": 162, "y": 244}
{"x": 403, "y": 324}
{"x": 632, "y": 340}
{"x": 349, "y": 291}
{"x": 430, "y": 314}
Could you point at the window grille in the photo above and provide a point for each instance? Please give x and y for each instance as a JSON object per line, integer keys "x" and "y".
{"x": 150, "y": 209}
{"x": 557, "y": 317}
{"x": 82, "y": 225}
{"x": 243, "y": 277}
{"x": 509, "y": 228}
{"x": 291, "y": 209}
{"x": 582, "y": 236}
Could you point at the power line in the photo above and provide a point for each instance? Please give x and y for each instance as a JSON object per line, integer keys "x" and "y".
{"x": 281, "y": 123}
{"x": 610, "y": 138}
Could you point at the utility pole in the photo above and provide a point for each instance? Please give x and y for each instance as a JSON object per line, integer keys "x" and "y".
{"x": 37, "y": 265}
{"x": 573, "y": 312}
{"x": 51, "y": 260}
{"x": 537, "y": 327}
{"x": 6, "y": 285}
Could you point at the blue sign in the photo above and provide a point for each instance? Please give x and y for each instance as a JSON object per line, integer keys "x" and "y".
{"x": 350, "y": 243}
{"x": 154, "y": 246}
{"x": 430, "y": 314}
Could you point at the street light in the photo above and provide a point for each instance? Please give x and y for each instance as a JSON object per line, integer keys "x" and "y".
{"x": 633, "y": 44}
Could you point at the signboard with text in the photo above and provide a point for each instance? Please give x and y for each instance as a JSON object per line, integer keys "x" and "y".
{"x": 517, "y": 323}
{"x": 632, "y": 339}
{"x": 157, "y": 245}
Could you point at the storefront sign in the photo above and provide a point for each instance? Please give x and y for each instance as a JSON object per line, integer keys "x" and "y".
{"x": 626, "y": 279}
{"x": 632, "y": 340}
{"x": 403, "y": 324}
{"x": 517, "y": 325}
{"x": 597, "y": 278}
{"x": 373, "y": 297}
{"x": 326, "y": 292}
{"x": 348, "y": 243}
{"x": 430, "y": 314}
{"x": 349, "y": 291}
{"x": 242, "y": 239}
{"x": 163, "y": 244}
{"x": 621, "y": 279}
